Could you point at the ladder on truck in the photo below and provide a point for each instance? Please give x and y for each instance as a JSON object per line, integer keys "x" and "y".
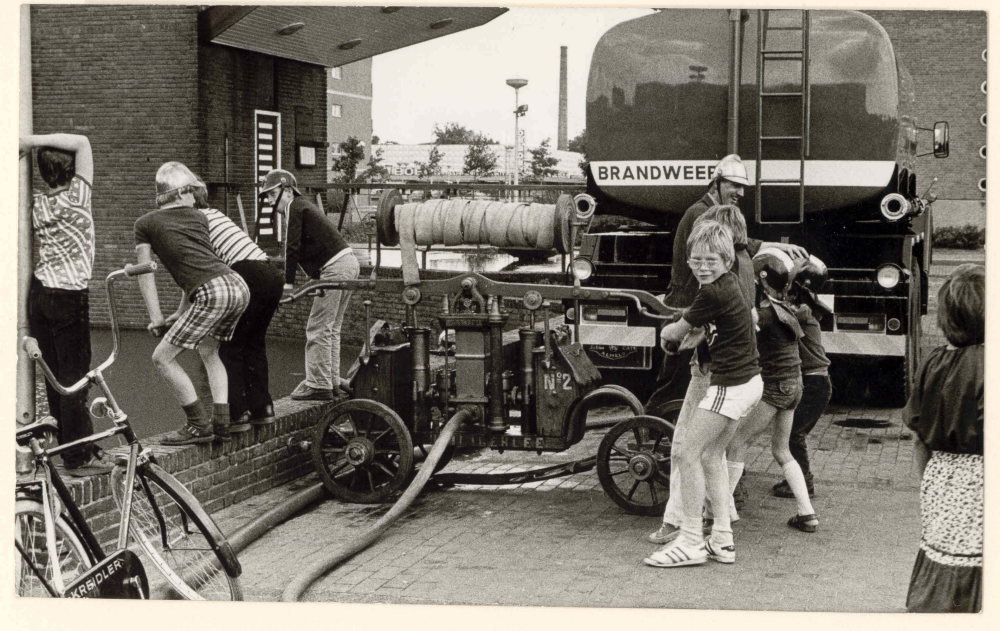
{"x": 789, "y": 50}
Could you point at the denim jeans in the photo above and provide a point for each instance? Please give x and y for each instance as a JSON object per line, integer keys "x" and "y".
{"x": 816, "y": 391}
{"x": 59, "y": 319}
{"x": 325, "y": 322}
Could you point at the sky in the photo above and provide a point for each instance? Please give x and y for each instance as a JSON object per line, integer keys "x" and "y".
{"x": 461, "y": 78}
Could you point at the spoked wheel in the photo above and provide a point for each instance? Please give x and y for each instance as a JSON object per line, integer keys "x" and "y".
{"x": 179, "y": 538}
{"x": 58, "y": 565}
{"x": 633, "y": 464}
{"x": 362, "y": 451}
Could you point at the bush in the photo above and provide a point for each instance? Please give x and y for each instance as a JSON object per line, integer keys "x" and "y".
{"x": 967, "y": 237}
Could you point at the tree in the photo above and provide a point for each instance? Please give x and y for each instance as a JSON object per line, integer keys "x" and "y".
{"x": 480, "y": 160}
{"x": 375, "y": 140}
{"x": 433, "y": 165}
{"x": 374, "y": 171}
{"x": 352, "y": 152}
{"x": 542, "y": 162}
{"x": 455, "y": 134}
{"x": 579, "y": 145}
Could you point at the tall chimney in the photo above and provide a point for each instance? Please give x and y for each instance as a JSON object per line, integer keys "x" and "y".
{"x": 563, "y": 144}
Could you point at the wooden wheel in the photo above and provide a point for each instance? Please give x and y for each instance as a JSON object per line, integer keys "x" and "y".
{"x": 633, "y": 464}
{"x": 362, "y": 451}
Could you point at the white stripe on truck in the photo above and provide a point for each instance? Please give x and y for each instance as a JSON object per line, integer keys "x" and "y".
{"x": 841, "y": 173}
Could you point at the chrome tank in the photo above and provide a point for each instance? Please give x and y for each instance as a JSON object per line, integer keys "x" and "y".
{"x": 657, "y": 106}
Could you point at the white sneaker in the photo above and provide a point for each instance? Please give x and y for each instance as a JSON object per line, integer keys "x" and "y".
{"x": 666, "y": 534}
{"x": 677, "y": 554}
{"x": 721, "y": 553}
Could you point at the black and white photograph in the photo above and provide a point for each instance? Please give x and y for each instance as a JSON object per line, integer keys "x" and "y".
{"x": 617, "y": 309}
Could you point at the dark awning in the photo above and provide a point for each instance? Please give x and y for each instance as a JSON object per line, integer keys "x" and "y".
{"x": 334, "y": 36}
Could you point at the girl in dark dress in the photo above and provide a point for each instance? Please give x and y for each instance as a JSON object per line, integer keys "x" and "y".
{"x": 946, "y": 412}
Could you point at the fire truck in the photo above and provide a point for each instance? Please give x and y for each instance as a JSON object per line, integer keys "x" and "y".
{"x": 821, "y": 112}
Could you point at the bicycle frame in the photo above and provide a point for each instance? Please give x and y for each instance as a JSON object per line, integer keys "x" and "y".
{"x": 137, "y": 456}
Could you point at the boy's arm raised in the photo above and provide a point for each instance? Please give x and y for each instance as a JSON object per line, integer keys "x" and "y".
{"x": 76, "y": 144}
{"x": 147, "y": 287}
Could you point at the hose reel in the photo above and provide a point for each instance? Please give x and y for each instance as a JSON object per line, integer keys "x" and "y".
{"x": 500, "y": 224}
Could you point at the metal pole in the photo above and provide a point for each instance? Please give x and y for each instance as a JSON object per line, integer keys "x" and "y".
{"x": 735, "y": 79}
{"x": 517, "y": 147}
{"x": 25, "y": 390}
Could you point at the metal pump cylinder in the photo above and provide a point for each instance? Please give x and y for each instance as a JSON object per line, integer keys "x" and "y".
{"x": 420, "y": 346}
{"x": 530, "y": 340}
{"x": 498, "y": 418}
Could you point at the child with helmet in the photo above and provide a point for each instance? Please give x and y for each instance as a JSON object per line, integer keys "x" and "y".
{"x": 778, "y": 343}
{"x": 816, "y": 385}
{"x": 312, "y": 241}
{"x": 178, "y": 233}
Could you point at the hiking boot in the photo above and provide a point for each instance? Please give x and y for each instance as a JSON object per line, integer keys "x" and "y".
{"x": 263, "y": 416}
{"x": 305, "y": 392}
{"x": 240, "y": 425}
{"x": 666, "y": 534}
{"x": 188, "y": 435}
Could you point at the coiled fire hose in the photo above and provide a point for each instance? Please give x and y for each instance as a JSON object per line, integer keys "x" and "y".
{"x": 473, "y": 222}
{"x": 301, "y": 583}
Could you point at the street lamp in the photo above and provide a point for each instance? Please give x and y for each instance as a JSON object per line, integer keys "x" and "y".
{"x": 519, "y": 111}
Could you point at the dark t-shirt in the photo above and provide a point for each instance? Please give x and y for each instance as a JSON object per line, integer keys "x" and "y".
{"x": 811, "y": 350}
{"x": 722, "y": 310}
{"x": 946, "y": 409}
{"x": 179, "y": 236}
{"x": 778, "y": 344}
{"x": 311, "y": 240}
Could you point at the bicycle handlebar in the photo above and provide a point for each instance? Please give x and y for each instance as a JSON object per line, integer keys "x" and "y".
{"x": 138, "y": 270}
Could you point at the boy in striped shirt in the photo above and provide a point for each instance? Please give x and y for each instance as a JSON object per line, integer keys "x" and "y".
{"x": 244, "y": 356}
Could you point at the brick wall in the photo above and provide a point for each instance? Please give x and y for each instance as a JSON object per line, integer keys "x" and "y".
{"x": 943, "y": 52}
{"x": 125, "y": 76}
{"x": 218, "y": 475}
{"x": 138, "y": 83}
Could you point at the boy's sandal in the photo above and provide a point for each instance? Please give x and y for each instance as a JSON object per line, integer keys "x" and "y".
{"x": 805, "y": 523}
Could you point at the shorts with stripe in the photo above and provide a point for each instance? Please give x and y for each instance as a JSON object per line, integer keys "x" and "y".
{"x": 733, "y": 401}
{"x": 216, "y": 307}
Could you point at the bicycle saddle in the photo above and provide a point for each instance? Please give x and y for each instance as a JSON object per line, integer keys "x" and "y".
{"x": 38, "y": 429}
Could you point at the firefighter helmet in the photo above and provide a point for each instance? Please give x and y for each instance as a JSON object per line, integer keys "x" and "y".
{"x": 775, "y": 269}
{"x": 731, "y": 168}
{"x": 812, "y": 274}
{"x": 279, "y": 177}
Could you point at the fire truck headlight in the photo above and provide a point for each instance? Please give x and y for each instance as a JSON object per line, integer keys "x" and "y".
{"x": 582, "y": 269}
{"x": 888, "y": 276}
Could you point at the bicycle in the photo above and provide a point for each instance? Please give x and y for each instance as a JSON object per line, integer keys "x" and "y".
{"x": 57, "y": 553}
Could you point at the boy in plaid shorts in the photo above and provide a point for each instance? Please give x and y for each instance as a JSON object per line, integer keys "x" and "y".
{"x": 178, "y": 234}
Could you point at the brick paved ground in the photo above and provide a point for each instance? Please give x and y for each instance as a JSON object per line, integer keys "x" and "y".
{"x": 563, "y": 543}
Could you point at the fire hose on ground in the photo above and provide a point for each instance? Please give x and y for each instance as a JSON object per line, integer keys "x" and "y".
{"x": 241, "y": 538}
{"x": 301, "y": 583}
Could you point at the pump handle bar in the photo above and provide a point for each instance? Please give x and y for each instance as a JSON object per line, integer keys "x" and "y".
{"x": 30, "y": 345}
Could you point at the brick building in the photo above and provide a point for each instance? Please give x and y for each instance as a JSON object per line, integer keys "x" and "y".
{"x": 945, "y": 53}
{"x": 228, "y": 90}
{"x": 348, "y": 107}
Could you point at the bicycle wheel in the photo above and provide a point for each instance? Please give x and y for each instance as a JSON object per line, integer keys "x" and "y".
{"x": 29, "y": 533}
{"x": 178, "y": 536}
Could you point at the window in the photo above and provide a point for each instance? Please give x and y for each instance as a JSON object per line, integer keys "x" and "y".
{"x": 335, "y": 111}
{"x": 335, "y": 73}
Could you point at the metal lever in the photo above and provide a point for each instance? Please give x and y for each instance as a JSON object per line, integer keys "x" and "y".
{"x": 548, "y": 338}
